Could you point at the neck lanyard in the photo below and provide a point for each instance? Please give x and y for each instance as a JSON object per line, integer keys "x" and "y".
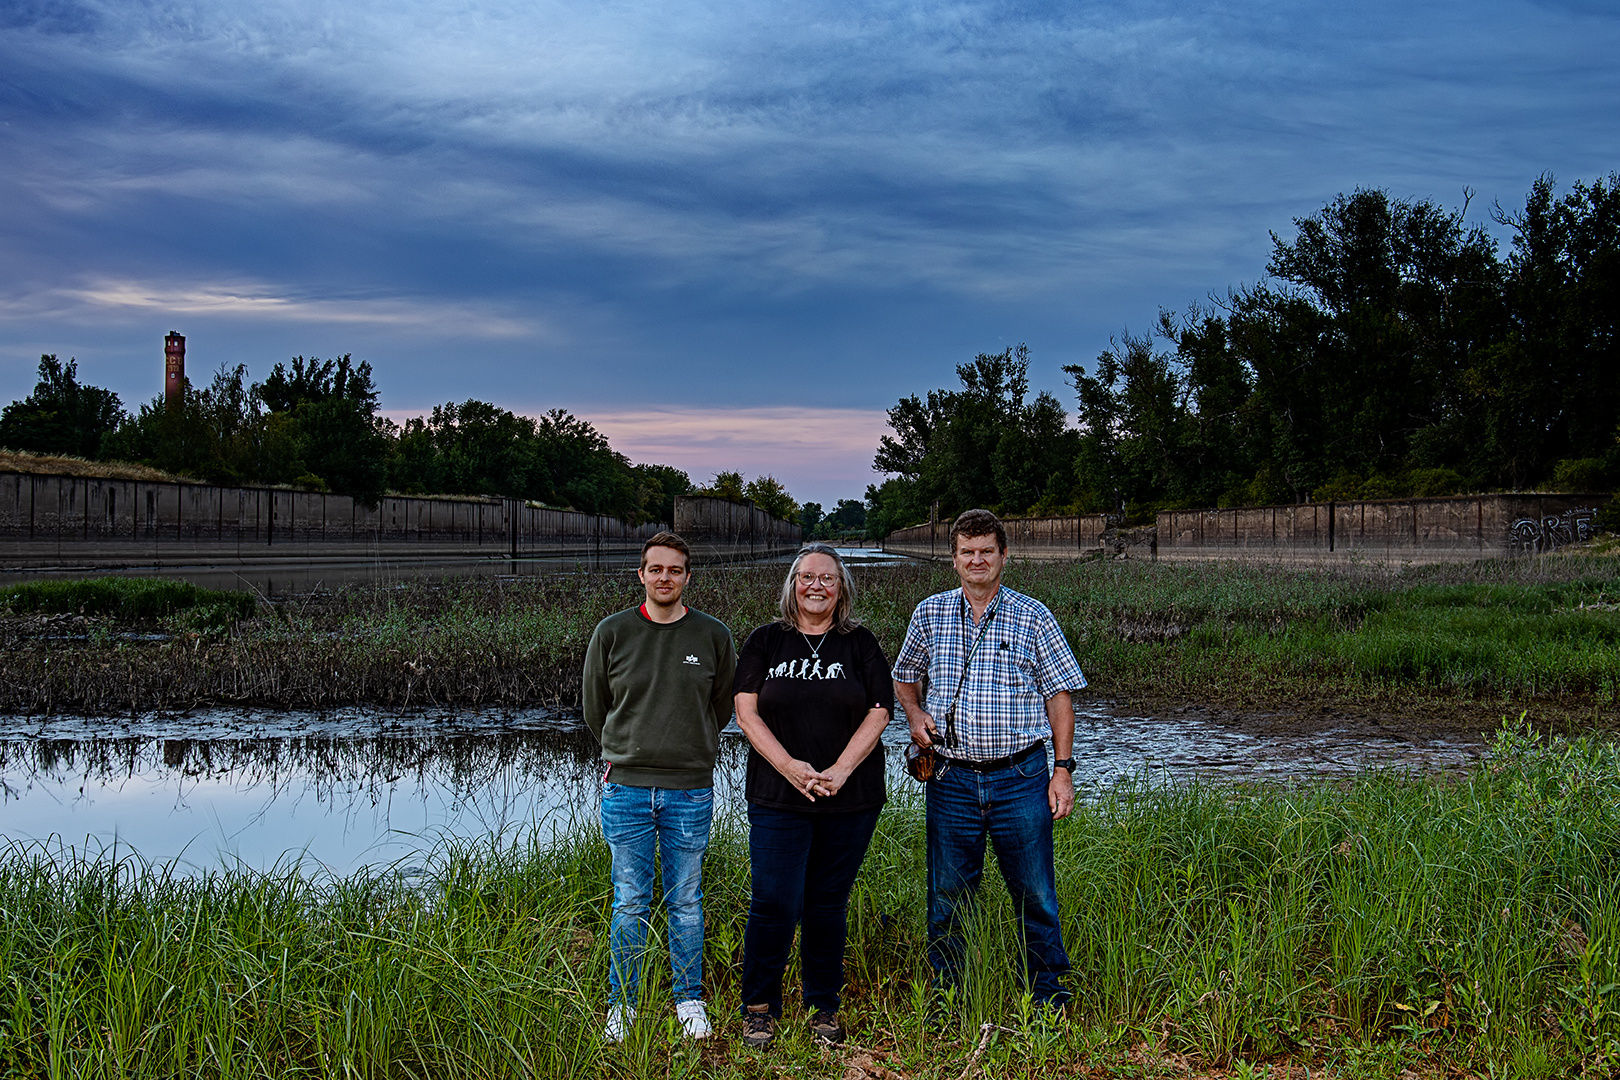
{"x": 984, "y": 625}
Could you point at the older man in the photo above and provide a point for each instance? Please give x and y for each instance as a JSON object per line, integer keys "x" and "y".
{"x": 1000, "y": 676}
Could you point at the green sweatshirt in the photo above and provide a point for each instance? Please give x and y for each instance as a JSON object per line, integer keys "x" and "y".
{"x": 656, "y": 696}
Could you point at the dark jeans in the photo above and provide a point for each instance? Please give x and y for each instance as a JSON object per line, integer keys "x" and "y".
{"x": 804, "y": 866}
{"x": 1009, "y": 806}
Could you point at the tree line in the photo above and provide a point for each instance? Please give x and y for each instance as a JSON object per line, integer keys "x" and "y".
{"x": 315, "y": 423}
{"x": 1389, "y": 351}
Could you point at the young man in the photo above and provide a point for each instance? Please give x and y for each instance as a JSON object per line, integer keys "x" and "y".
{"x": 988, "y": 728}
{"x": 657, "y": 691}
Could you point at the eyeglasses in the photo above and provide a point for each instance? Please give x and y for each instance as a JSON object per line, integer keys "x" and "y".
{"x": 808, "y": 579}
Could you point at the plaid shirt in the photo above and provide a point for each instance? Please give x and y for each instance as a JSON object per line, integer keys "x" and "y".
{"x": 1022, "y": 660}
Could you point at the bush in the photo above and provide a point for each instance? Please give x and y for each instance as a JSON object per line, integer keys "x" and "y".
{"x": 1433, "y": 483}
{"x": 125, "y": 598}
{"x": 1580, "y": 474}
{"x": 1608, "y": 517}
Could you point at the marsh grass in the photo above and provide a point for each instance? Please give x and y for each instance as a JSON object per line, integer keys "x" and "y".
{"x": 122, "y": 598}
{"x": 1507, "y": 634}
{"x": 1356, "y": 929}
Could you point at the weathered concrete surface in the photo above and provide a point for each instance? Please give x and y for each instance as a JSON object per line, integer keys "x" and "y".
{"x": 1451, "y": 529}
{"x": 57, "y": 521}
{"x": 722, "y": 530}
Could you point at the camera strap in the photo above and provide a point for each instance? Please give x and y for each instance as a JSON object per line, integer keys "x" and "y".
{"x": 984, "y": 625}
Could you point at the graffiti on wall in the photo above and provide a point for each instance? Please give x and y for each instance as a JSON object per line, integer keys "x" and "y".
{"x": 1532, "y": 536}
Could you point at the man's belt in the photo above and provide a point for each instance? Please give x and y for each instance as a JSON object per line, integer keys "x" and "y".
{"x": 1001, "y": 762}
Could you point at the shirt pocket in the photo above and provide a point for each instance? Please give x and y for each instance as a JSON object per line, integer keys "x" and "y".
{"x": 1013, "y": 664}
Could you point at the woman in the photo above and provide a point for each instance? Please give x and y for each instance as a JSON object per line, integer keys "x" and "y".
{"x": 813, "y": 696}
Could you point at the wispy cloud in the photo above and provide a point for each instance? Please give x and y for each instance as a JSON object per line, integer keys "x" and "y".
{"x": 260, "y": 303}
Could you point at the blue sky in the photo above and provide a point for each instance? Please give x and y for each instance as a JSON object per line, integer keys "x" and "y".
{"x": 730, "y": 234}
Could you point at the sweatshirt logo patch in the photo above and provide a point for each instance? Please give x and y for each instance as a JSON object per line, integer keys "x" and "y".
{"x": 690, "y": 660}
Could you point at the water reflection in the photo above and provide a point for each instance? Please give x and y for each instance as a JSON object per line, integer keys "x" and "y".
{"x": 350, "y": 788}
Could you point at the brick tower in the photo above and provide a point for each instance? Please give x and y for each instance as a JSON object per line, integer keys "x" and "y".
{"x": 174, "y": 370}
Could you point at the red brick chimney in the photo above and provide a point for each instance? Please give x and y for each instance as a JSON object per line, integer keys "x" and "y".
{"x": 174, "y": 370}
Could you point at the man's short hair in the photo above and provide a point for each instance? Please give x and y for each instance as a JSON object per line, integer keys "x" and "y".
{"x": 669, "y": 540}
{"x": 971, "y": 523}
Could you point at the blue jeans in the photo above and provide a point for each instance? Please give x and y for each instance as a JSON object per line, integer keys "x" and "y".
{"x": 1009, "y": 806}
{"x": 638, "y": 822}
{"x": 804, "y": 866}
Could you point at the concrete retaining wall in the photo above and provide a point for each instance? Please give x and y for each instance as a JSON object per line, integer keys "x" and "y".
{"x": 85, "y": 521}
{"x": 722, "y": 529}
{"x": 1458, "y": 528}
{"x": 1030, "y": 538}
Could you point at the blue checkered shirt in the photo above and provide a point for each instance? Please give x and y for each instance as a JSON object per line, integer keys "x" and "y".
{"x": 1023, "y": 660}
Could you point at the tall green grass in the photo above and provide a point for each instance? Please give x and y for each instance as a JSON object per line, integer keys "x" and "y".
{"x": 1356, "y": 929}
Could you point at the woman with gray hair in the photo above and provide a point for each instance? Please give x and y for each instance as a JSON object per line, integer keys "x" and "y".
{"x": 813, "y": 695}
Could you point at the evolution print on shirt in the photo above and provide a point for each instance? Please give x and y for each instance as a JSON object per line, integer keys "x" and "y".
{"x": 806, "y": 669}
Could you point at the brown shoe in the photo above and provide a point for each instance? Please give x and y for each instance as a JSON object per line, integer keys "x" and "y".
{"x": 824, "y": 1028}
{"x": 759, "y": 1027}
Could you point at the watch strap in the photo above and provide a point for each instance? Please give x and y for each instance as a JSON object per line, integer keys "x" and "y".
{"x": 1064, "y": 763}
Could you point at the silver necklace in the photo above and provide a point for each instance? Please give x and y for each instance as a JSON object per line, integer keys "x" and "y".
{"x": 815, "y": 650}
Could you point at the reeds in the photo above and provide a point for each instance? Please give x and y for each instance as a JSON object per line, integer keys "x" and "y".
{"x": 1505, "y": 634}
{"x": 1454, "y": 927}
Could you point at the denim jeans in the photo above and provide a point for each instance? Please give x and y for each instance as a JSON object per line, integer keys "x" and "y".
{"x": 638, "y": 822}
{"x": 1009, "y": 806}
{"x": 804, "y": 866}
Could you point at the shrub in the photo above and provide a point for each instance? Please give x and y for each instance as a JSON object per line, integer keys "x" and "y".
{"x": 1580, "y": 474}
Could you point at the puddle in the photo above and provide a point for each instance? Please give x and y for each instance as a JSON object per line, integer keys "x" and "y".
{"x": 351, "y": 788}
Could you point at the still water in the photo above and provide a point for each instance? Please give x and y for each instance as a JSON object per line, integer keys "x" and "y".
{"x": 345, "y": 789}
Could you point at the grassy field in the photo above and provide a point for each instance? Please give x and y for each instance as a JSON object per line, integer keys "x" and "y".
{"x": 1496, "y": 637}
{"x": 1385, "y": 927}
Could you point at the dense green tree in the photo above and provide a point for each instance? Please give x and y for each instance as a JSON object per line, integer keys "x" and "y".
{"x": 986, "y": 444}
{"x": 810, "y": 516}
{"x": 850, "y": 516}
{"x": 61, "y": 416}
{"x": 1347, "y": 373}
{"x": 1550, "y": 390}
{"x": 1381, "y": 305}
{"x": 725, "y": 485}
{"x": 217, "y": 433}
{"x": 767, "y": 493}
{"x": 473, "y": 448}
{"x": 342, "y": 441}
{"x": 658, "y": 487}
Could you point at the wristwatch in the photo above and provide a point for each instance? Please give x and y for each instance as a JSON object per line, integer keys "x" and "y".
{"x": 1064, "y": 763}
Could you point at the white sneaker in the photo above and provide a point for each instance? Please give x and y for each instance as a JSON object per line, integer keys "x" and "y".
{"x": 694, "y": 1019}
{"x": 620, "y": 1017}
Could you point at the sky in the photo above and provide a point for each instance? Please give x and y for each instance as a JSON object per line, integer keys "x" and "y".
{"x": 730, "y": 235}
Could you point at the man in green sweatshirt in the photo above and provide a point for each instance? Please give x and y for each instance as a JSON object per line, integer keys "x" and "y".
{"x": 657, "y": 691}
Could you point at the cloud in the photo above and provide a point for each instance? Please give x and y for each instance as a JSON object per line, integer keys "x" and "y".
{"x": 886, "y": 186}
{"x": 254, "y": 302}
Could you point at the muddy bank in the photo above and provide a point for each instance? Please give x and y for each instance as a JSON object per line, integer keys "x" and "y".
{"x": 1416, "y": 718}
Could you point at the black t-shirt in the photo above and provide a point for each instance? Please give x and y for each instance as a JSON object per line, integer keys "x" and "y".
{"x": 813, "y": 700}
